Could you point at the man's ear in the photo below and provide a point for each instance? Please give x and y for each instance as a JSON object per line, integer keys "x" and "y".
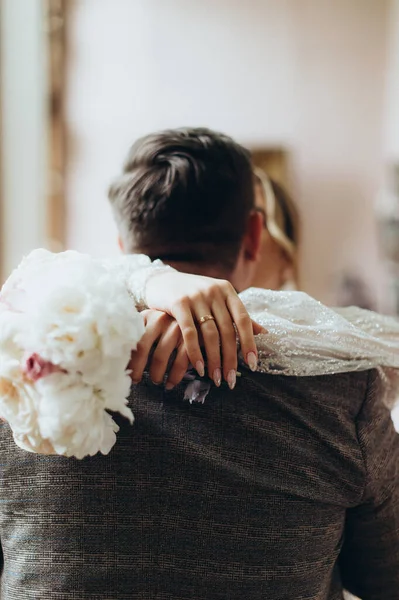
{"x": 120, "y": 244}
{"x": 253, "y": 236}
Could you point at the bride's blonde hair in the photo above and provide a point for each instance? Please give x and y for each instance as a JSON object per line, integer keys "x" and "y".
{"x": 281, "y": 217}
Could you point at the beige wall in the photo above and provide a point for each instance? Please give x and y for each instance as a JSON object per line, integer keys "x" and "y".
{"x": 23, "y": 130}
{"x": 308, "y": 75}
{"x": 392, "y": 96}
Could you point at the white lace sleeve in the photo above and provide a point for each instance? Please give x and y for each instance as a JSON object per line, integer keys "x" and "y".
{"x": 136, "y": 270}
{"x": 307, "y": 338}
{"x": 380, "y": 326}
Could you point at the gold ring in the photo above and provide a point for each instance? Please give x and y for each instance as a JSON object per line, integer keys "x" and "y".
{"x": 206, "y": 318}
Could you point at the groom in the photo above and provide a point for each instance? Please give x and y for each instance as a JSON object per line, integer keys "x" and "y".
{"x": 286, "y": 488}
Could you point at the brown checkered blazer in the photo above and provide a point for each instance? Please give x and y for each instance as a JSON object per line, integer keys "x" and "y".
{"x": 284, "y": 489}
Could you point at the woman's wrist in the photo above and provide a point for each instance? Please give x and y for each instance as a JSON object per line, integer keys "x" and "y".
{"x": 142, "y": 287}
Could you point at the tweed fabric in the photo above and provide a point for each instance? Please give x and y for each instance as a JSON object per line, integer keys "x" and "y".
{"x": 284, "y": 489}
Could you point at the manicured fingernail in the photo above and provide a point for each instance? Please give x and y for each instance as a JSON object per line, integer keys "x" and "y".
{"x": 231, "y": 379}
{"x": 252, "y": 361}
{"x": 199, "y": 365}
{"x": 217, "y": 377}
{"x": 169, "y": 386}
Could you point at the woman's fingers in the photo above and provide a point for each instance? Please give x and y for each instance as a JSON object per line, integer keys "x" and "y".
{"x": 211, "y": 338}
{"x": 186, "y": 297}
{"x": 162, "y": 338}
{"x": 155, "y": 323}
{"x": 228, "y": 342}
{"x": 245, "y": 330}
{"x": 166, "y": 345}
{"x": 183, "y": 314}
{"x": 178, "y": 369}
{"x": 204, "y": 297}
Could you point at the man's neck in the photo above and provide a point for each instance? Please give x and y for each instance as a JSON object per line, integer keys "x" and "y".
{"x": 206, "y": 271}
{"x": 199, "y": 269}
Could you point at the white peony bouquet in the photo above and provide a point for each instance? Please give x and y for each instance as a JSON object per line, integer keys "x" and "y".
{"x": 67, "y": 328}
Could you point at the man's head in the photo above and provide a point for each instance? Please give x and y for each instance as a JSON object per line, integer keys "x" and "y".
{"x": 187, "y": 196}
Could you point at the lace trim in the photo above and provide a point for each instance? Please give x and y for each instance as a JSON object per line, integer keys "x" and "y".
{"x": 136, "y": 271}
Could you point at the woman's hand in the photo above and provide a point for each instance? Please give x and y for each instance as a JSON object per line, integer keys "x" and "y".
{"x": 214, "y": 307}
{"x": 162, "y": 339}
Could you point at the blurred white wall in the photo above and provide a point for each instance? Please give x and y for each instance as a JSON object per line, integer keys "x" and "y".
{"x": 392, "y": 97}
{"x": 23, "y": 124}
{"x": 307, "y": 75}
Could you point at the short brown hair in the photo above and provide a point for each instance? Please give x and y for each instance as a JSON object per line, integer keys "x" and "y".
{"x": 185, "y": 195}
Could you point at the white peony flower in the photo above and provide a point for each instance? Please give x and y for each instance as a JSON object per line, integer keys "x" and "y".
{"x": 67, "y": 327}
